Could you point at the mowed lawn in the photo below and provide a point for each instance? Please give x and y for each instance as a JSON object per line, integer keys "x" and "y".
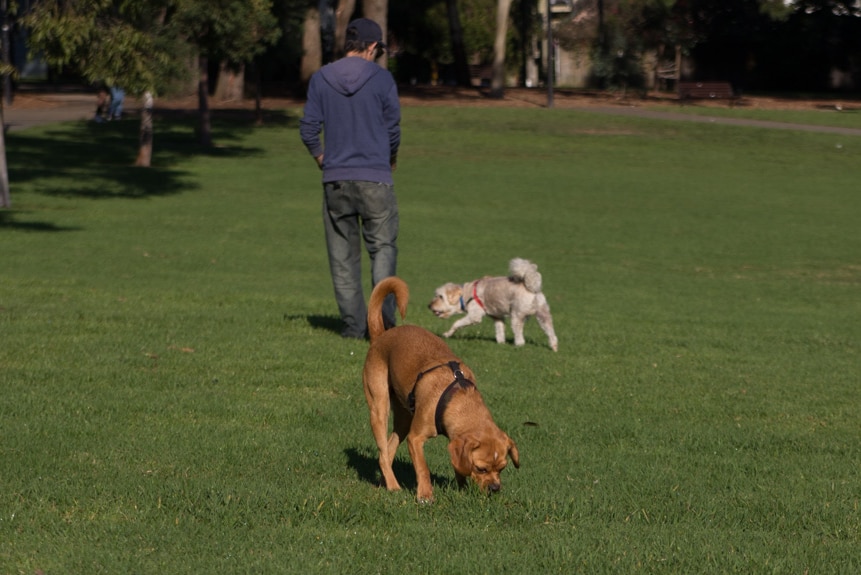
{"x": 176, "y": 398}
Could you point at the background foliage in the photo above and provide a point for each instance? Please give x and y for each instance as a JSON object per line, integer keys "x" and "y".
{"x": 146, "y": 46}
{"x": 805, "y": 45}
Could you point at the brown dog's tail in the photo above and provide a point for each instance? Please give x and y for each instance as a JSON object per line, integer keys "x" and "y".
{"x": 390, "y": 285}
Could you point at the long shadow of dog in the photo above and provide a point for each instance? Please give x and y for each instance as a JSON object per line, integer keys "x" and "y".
{"x": 368, "y": 469}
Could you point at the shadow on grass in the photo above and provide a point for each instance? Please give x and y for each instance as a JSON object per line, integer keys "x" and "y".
{"x": 368, "y": 470}
{"x": 326, "y": 322}
{"x": 8, "y": 222}
{"x": 95, "y": 161}
{"x": 335, "y": 325}
{"x": 236, "y": 116}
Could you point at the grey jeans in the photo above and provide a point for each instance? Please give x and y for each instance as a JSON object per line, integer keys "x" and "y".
{"x": 352, "y": 211}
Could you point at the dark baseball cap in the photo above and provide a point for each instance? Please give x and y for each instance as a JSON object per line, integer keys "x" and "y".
{"x": 365, "y": 30}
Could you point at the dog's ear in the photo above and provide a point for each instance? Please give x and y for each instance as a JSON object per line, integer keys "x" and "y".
{"x": 460, "y": 450}
{"x": 453, "y": 293}
{"x": 512, "y": 451}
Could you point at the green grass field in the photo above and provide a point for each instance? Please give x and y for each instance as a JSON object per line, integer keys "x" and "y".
{"x": 176, "y": 398}
{"x": 824, "y": 115}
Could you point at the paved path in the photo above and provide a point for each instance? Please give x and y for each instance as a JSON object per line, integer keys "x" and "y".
{"x": 675, "y": 116}
{"x": 70, "y": 107}
{"x": 51, "y": 108}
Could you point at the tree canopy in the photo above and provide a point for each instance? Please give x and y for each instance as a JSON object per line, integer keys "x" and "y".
{"x": 143, "y": 45}
{"x": 118, "y": 42}
{"x": 232, "y": 30}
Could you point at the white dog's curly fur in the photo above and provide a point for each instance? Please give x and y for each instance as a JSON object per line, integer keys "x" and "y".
{"x": 518, "y": 295}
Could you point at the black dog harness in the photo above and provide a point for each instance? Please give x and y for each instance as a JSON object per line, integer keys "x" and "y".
{"x": 460, "y": 382}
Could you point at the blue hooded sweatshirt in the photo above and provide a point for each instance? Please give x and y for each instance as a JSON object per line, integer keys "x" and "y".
{"x": 355, "y": 103}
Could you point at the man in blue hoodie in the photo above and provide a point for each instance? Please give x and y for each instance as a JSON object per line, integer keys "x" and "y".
{"x": 354, "y": 102}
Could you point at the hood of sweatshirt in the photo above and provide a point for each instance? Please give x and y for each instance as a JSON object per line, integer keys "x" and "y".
{"x": 348, "y": 75}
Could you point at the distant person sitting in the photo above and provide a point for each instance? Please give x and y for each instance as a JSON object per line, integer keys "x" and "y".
{"x": 102, "y": 105}
{"x": 118, "y": 96}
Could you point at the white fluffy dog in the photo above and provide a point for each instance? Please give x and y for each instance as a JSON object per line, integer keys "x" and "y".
{"x": 518, "y": 295}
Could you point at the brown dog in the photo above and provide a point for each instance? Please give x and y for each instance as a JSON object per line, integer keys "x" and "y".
{"x": 431, "y": 392}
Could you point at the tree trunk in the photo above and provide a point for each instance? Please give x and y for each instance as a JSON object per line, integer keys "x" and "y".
{"x": 378, "y": 10}
{"x": 602, "y": 37}
{"x": 203, "y": 102}
{"x": 497, "y": 82}
{"x": 145, "y": 152}
{"x": 231, "y": 83}
{"x": 5, "y": 198}
{"x": 258, "y": 94}
{"x": 678, "y": 61}
{"x": 342, "y": 18}
{"x": 461, "y": 67}
{"x": 312, "y": 58}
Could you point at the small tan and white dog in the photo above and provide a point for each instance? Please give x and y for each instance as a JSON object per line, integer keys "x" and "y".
{"x": 518, "y": 295}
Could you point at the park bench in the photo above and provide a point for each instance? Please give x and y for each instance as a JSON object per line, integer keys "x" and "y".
{"x": 706, "y": 91}
{"x": 480, "y": 74}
